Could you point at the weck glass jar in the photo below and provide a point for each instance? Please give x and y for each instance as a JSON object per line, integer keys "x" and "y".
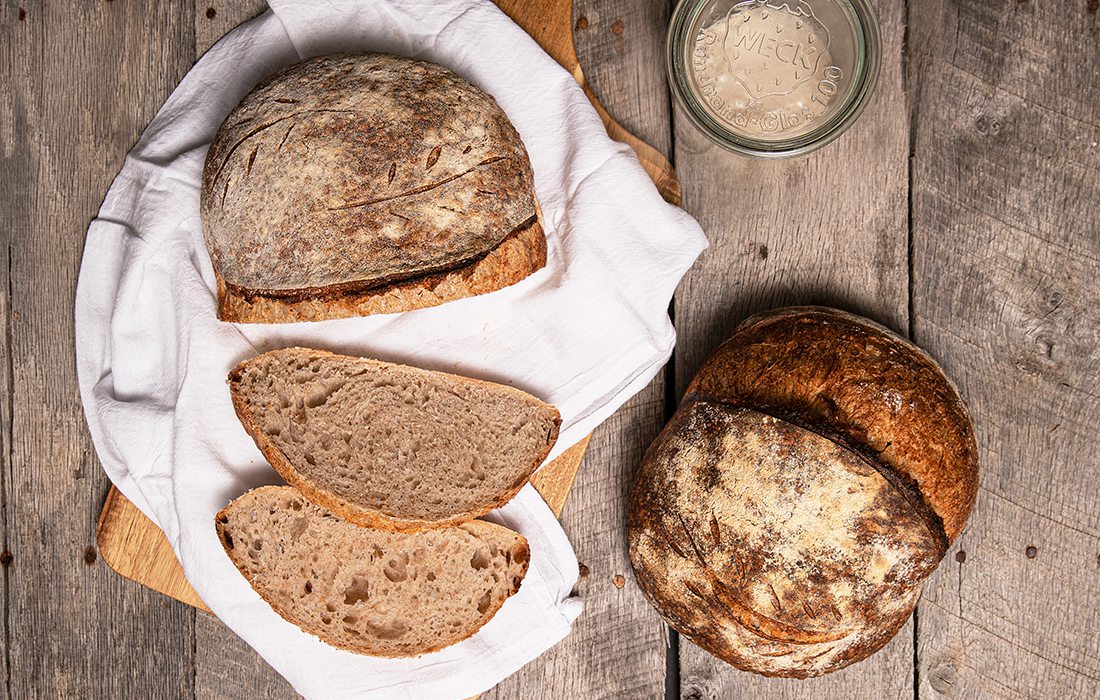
{"x": 773, "y": 78}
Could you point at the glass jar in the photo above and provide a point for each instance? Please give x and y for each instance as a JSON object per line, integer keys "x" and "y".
{"x": 773, "y": 78}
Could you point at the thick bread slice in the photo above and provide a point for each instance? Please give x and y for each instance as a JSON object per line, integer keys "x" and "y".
{"x": 521, "y": 254}
{"x": 370, "y": 591}
{"x": 387, "y": 445}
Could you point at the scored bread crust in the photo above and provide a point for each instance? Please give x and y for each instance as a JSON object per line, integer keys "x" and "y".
{"x": 520, "y": 545}
{"x": 824, "y": 385}
{"x": 519, "y": 255}
{"x": 353, "y": 184}
{"x": 850, "y": 377}
{"x": 359, "y": 514}
{"x": 773, "y": 547}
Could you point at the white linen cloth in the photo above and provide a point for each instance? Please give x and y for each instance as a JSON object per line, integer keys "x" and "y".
{"x": 585, "y": 333}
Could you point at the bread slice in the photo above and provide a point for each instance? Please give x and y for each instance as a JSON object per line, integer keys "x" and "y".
{"x": 387, "y": 445}
{"x": 370, "y": 591}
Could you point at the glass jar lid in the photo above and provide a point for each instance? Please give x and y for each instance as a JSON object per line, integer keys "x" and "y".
{"x": 773, "y": 77}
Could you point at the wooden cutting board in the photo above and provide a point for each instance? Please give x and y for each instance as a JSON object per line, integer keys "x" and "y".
{"x": 133, "y": 546}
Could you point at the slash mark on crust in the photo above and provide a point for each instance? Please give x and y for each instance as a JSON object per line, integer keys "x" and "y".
{"x": 407, "y": 193}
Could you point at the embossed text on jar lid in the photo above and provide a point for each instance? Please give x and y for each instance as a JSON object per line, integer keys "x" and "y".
{"x": 773, "y": 77}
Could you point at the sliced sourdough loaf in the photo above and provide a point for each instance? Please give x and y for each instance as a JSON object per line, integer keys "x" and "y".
{"x": 387, "y": 445}
{"x": 355, "y": 184}
{"x": 370, "y": 591}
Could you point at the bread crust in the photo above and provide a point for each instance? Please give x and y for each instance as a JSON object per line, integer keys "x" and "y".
{"x": 222, "y": 518}
{"x": 519, "y": 255}
{"x": 849, "y": 375}
{"x": 800, "y": 404}
{"x": 352, "y": 184}
{"x": 359, "y": 514}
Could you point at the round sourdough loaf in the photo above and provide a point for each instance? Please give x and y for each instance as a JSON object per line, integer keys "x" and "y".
{"x": 814, "y": 475}
{"x": 353, "y": 184}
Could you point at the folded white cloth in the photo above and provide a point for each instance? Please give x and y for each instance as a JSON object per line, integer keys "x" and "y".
{"x": 585, "y": 333}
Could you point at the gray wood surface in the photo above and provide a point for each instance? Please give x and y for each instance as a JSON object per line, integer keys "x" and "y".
{"x": 226, "y": 667}
{"x": 1006, "y": 252}
{"x": 80, "y": 82}
{"x": 830, "y": 228}
{"x": 995, "y": 214}
{"x": 617, "y": 647}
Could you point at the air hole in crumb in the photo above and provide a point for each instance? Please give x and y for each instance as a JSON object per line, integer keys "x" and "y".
{"x": 396, "y": 570}
{"x": 483, "y": 604}
{"x": 389, "y": 630}
{"x": 295, "y": 505}
{"x": 309, "y": 586}
{"x": 520, "y": 553}
{"x": 357, "y": 591}
{"x": 480, "y": 560}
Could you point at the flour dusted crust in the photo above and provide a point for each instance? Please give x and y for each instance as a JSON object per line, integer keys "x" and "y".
{"x": 860, "y": 381}
{"x": 341, "y": 177}
{"x": 522, "y": 253}
{"x": 786, "y": 518}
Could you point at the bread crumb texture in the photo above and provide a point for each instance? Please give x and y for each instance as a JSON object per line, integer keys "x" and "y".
{"x": 388, "y": 445}
{"x": 370, "y": 591}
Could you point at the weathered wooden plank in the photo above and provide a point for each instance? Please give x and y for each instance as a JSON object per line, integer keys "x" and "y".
{"x": 226, "y": 667}
{"x": 621, "y": 47}
{"x": 617, "y": 647}
{"x": 214, "y": 18}
{"x": 1006, "y": 250}
{"x": 13, "y": 191}
{"x": 829, "y": 228}
{"x": 84, "y": 80}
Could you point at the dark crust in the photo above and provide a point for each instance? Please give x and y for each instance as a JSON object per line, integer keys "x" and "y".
{"x": 222, "y": 519}
{"x": 862, "y": 388}
{"x": 361, "y": 514}
{"x": 828, "y": 369}
{"x": 520, "y": 254}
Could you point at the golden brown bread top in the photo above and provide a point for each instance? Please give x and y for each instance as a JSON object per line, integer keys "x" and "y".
{"x": 772, "y": 547}
{"x": 849, "y": 378}
{"x": 360, "y": 170}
